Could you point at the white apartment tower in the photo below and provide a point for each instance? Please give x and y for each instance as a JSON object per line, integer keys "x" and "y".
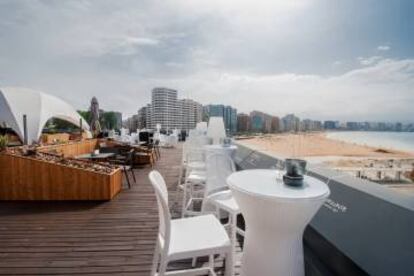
{"x": 189, "y": 114}
{"x": 164, "y": 109}
{"x": 171, "y": 113}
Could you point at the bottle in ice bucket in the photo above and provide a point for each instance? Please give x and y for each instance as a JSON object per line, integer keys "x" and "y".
{"x": 226, "y": 142}
{"x": 295, "y": 169}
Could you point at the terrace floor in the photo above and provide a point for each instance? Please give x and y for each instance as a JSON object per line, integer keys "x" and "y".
{"x": 89, "y": 238}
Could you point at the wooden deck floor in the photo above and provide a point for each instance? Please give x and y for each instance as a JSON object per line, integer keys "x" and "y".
{"x": 62, "y": 238}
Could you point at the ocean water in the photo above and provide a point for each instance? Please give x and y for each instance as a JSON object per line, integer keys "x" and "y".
{"x": 403, "y": 141}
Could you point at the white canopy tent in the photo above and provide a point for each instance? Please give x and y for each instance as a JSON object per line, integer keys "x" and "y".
{"x": 38, "y": 108}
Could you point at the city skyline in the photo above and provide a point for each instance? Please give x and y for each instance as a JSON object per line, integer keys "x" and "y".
{"x": 171, "y": 112}
{"x": 279, "y": 57}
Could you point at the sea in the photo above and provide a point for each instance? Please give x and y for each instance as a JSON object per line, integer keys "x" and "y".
{"x": 403, "y": 141}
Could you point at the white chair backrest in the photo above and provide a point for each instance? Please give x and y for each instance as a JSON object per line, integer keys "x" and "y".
{"x": 192, "y": 133}
{"x": 164, "y": 216}
{"x": 203, "y": 140}
{"x": 201, "y": 127}
{"x": 216, "y": 129}
{"x": 219, "y": 166}
{"x": 195, "y": 155}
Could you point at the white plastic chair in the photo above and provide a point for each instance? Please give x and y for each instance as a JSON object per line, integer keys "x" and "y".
{"x": 217, "y": 196}
{"x": 194, "y": 145}
{"x": 195, "y": 178}
{"x": 187, "y": 238}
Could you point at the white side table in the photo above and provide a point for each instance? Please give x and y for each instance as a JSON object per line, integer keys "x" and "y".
{"x": 276, "y": 216}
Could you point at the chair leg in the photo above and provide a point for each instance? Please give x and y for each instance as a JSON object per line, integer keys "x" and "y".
{"x": 229, "y": 263}
{"x": 163, "y": 268}
{"x": 155, "y": 259}
{"x": 133, "y": 175}
{"x": 233, "y": 235}
{"x": 184, "y": 207}
{"x": 126, "y": 176}
{"x": 211, "y": 262}
{"x": 180, "y": 177}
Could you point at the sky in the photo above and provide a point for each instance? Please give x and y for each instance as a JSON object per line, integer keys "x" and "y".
{"x": 320, "y": 59}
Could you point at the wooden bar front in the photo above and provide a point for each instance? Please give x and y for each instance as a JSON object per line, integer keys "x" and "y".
{"x": 25, "y": 178}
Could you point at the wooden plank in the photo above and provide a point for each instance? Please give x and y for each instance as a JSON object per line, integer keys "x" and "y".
{"x": 24, "y": 178}
{"x": 67, "y": 238}
{"x": 115, "y": 237}
{"x": 72, "y": 149}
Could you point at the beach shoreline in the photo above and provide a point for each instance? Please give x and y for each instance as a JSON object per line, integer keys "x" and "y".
{"x": 396, "y": 166}
{"x": 317, "y": 144}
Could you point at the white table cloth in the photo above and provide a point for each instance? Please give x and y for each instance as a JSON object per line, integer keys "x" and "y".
{"x": 229, "y": 150}
{"x": 276, "y": 216}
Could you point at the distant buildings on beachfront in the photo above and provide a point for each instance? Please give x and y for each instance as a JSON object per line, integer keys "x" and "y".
{"x": 167, "y": 111}
{"x": 170, "y": 112}
{"x": 228, "y": 113}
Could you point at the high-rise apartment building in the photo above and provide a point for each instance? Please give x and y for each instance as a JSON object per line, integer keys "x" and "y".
{"x": 164, "y": 108}
{"x": 144, "y": 117}
{"x": 291, "y": 123}
{"x": 148, "y": 117}
{"x": 189, "y": 114}
{"x": 257, "y": 121}
{"x": 262, "y": 122}
{"x": 275, "y": 124}
{"x": 168, "y": 111}
{"x": 228, "y": 113}
{"x": 243, "y": 122}
{"x": 331, "y": 124}
{"x": 310, "y": 125}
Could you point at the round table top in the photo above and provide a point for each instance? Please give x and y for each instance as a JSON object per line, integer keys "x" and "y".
{"x": 269, "y": 184}
{"x": 220, "y": 147}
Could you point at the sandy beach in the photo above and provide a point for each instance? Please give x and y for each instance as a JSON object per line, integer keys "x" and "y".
{"x": 317, "y": 148}
{"x": 307, "y": 145}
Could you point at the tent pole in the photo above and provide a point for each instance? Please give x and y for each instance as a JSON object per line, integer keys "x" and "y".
{"x": 25, "y": 129}
{"x": 80, "y": 126}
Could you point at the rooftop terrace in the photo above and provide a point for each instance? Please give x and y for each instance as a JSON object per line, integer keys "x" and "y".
{"x": 88, "y": 238}
{"x": 117, "y": 237}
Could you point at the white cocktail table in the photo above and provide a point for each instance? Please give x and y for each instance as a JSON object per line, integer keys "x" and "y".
{"x": 229, "y": 150}
{"x": 276, "y": 216}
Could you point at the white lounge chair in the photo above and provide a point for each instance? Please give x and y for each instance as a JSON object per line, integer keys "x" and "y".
{"x": 187, "y": 238}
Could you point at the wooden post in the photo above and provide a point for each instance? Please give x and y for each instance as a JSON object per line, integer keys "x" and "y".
{"x": 80, "y": 127}
{"x": 25, "y": 136}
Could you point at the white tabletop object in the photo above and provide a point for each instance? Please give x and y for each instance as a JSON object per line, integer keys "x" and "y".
{"x": 276, "y": 216}
{"x": 215, "y": 129}
{"x": 230, "y": 150}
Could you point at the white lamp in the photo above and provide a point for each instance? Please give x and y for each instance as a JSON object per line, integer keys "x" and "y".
{"x": 216, "y": 129}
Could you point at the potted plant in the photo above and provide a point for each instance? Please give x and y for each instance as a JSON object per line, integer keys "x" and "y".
{"x": 4, "y": 141}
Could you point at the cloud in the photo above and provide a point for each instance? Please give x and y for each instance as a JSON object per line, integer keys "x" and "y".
{"x": 278, "y": 56}
{"x": 376, "y": 92}
{"x": 369, "y": 60}
{"x": 383, "y": 48}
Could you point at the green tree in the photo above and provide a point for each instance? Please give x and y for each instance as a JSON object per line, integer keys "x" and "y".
{"x": 86, "y": 115}
{"x": 109, "y": 120}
